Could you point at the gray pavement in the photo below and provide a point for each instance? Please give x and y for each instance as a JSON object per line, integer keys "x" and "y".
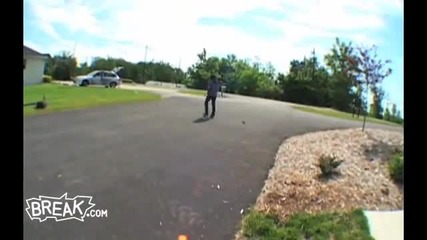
{"x": 156, "y": 168}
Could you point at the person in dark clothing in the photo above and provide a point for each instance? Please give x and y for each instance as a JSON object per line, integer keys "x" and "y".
{"x": 221, "y": 88}
{"x": 212, "y": 93}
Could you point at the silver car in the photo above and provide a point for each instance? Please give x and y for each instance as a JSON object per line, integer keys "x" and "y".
{"x": 100, "y": 77}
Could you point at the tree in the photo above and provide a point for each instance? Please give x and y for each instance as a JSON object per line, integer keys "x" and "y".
{"x": 387, "y": 115}
{"x": 62, "y": 66}
{"x": 371, "y": 71}
{"x": 393, "y": 111}
{"x": 345, "y": 89}
{"x": 376, "y": 108}
{"x": 398, "y": 118}
{"x": 203, "y": 69}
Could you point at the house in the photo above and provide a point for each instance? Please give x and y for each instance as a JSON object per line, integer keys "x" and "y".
{"x": 34, "y": 65}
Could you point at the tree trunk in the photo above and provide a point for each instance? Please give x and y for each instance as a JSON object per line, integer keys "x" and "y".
{"x": 364, "y": 121}
{"x": 365, "y": 112}
{"x": 354, "y": 108}
{"x": 359, "y": 101}
{"x": 358, "y": 106}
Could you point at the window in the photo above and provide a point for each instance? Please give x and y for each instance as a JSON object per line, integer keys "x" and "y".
{"x": 92, "y": 73}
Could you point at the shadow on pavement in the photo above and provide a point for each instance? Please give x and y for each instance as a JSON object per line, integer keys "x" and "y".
{"x": 201, "y": 120}
{"x": 30, "y": 104}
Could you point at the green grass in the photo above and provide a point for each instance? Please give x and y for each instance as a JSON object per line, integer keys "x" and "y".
{"x": 326, "y": 226}
{"x": 343, "y": 115}
{"x": 61, "y": 98}
{"x": 194, "y": 92}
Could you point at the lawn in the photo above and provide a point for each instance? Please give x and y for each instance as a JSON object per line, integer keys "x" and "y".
{"x": 345, "y": 226}
{"x": 194, "y": 92}
{"x": 61, "y": 98}
{"x": 334, "y": 113}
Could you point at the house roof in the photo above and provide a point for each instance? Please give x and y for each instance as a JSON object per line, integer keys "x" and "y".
{"x": 31, "y": 52}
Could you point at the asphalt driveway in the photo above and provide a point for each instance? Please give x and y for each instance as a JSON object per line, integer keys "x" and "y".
{"x": 155, "y": 167}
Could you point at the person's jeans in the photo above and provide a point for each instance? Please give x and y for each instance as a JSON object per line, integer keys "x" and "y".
{"x": 213, "y": 101}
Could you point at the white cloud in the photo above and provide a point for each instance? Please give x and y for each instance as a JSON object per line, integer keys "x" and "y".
{"x": 332, "y": 15}
{"x": 71, "y": 14}
{"x": 170, "y": 27}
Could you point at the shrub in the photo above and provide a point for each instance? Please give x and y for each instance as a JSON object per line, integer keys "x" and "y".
{"x": 187, "y": 82}
{"x": 126, "y": 80}
{"x": 397, "y": 151}
{"x": 395, "y": 167}
{"x": 47, "y": 79}
{"x": 328, "y": 164}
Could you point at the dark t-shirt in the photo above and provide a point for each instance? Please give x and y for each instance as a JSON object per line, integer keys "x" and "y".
{"x": 213, "y": 88}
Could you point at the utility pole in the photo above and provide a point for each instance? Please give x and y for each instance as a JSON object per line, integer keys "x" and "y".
{"x": 145, "y": 63}
{"x": 74, "y": 49}
{"x": 179, "y": 68}
{"x": 75, "y": 58}
{"x": 146, "y": 50}
{"x": 313, "y": 58}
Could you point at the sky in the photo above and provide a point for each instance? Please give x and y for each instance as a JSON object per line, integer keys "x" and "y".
{"x": 175, "y": 31}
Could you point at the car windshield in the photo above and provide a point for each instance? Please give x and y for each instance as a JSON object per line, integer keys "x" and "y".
{"x": 92, "y": 73}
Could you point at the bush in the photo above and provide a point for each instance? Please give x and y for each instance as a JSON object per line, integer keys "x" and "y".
{"x": 395, "y": 167}
{"x": 328, "y": 164}
{"x": 187, "y": 82}
{"x": 47, "y": 79}
{"x": 126, "y": 80}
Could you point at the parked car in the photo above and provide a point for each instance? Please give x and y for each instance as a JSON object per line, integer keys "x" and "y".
{"x": 99, "y": 77}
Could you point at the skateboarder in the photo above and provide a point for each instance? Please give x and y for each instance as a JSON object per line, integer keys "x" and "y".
{"x": 212, "y": 92}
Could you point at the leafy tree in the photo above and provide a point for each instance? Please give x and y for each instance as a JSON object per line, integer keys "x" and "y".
{"x": 307, "y": 83}
{"x": 62, "y": 66}
{"x": 376, "y": 109}
{"x": 395, "y": 115}
{"x": 393, "y": 111}
{"x": 345, "y": 89}
{"x": 387, "y": 115}
{"x": 398, "y": 118}
{"x": 202, "y": 70}
{"x": 371, "y": 70}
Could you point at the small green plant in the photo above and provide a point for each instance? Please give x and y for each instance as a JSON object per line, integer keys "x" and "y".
{"x": 328, "y": 164}
{"x": 395, "y": 167}
{"x": 47, "y": 79}
{"x": 397, "y": 151}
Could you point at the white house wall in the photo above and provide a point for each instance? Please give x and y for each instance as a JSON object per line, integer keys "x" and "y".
{"x": 34, "y": 69}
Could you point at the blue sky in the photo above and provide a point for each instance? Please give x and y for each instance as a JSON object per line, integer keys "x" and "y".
{"x": 275, "y": 31}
